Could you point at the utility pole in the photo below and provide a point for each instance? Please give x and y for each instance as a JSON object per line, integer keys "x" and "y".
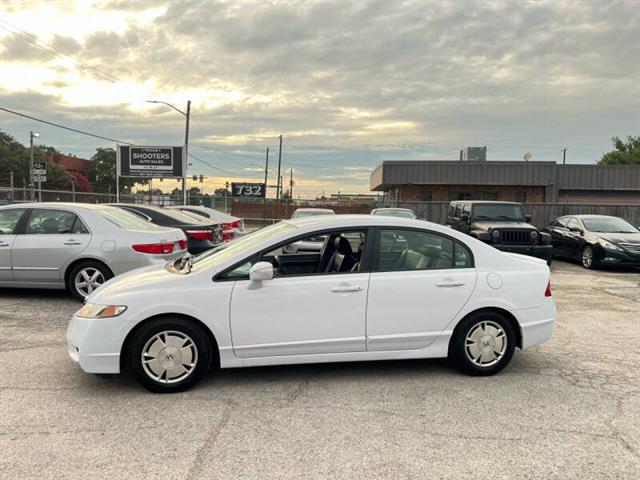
{"x": 266, "y": 176}
{"x": 279, "y": 187}
{"x": 291, "y": 184}
{"x": 186, "y": 154}
{"x": 32, "y": 196}
{"x": 564, "y": 156}
{"x": 11, "y": 193}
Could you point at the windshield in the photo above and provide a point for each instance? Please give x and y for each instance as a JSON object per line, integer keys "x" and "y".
{"x": 608, "y": 225}
{"x": 218, "y": 255}
{"x": 310, "y": 213}
{"x": 396, "y": 213}
{"x": 498, "y": 211}
{"x": 127, "y": 220}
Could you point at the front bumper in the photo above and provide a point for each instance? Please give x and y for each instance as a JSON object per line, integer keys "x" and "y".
{"x": 94, "y": 343}
{"x": 604, "y": 256}
{"x": 539, "y": 251}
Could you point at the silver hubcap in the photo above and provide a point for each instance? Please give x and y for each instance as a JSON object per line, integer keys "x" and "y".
{"x": 486, "y": 343}
{"x": 587, "y": 257}
{"x": 169, "y": 357}
{"x": 87, "y": 280}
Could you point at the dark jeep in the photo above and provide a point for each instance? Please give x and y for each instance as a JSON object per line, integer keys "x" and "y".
{"x": 502, "y": 225}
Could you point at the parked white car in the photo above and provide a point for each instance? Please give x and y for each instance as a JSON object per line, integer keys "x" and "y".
{"x": 311, "y": 244}
{"x": 311, "y": 212}
{"x": 381, "y": 288}
{"x": 78, "y": 246}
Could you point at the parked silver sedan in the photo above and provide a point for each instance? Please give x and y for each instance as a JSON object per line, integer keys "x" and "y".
{"x": 78, "y": 246}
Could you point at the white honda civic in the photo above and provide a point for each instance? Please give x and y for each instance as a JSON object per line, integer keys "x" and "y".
{"x": 380, "y": 288}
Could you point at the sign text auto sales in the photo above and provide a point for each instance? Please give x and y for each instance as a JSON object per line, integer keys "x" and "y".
{"x": 150, "y": 162}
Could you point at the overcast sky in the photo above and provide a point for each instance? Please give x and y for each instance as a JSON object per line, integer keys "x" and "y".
{"x": 348, "y": 84}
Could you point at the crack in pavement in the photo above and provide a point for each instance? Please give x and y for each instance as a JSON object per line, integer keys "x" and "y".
{"x": 195, "y": 471}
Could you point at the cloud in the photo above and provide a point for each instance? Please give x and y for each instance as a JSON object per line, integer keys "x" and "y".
{"x": 347, "y": 83}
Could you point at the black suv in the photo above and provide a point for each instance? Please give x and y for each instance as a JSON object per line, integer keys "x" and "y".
{"x": 502, "y": 225}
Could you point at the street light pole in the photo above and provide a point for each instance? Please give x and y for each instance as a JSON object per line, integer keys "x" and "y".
{"x": 186, "y": 144}
{"x": 186, "y": 154}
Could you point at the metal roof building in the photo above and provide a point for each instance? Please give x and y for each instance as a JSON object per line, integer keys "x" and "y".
{"x": 534, "y": 182}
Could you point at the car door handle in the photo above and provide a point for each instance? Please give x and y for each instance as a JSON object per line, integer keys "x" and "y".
{"x": 450, "y": 283}
{"x": 72, "y": 242}
{"x": 346, "y": 288}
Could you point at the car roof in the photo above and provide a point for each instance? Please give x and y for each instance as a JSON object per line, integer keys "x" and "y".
{"x": 88, "y": 206}
{"x": 313, "y": 209}
{"x": 485, "y": 201}
{"x": 360, "y": 220}
{"x": 591, "y": 215}
{"x": 392, "y": 208}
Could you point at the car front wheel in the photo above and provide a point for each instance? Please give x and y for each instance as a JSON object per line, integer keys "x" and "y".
{"x": 169, "y": 355}
{"x": 483, "y": 344}
{"x": 587, "y": 257}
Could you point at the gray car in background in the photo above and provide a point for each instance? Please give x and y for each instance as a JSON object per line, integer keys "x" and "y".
{"x": 78, "y": 246}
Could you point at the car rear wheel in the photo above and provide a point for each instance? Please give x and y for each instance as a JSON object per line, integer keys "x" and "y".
{"x": 169, "y": 355}
{"x": 483, "y": 344}
{"x": 85, "y": 277}
{"x": 587, "y": 257}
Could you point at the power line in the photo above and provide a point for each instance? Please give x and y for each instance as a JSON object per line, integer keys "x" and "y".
{"x": 115, "y": 140}
{"x": 47, "y": 47}
{"x": 64, "y": 127}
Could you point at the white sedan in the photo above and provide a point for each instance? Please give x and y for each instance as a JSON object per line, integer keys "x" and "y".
{"x": 380, "y": 288}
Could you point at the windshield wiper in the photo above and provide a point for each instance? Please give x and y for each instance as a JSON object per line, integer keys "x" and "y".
{"x": 504, "y": 217}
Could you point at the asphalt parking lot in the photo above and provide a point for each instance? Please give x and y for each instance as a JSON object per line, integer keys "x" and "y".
{"x": 567, "y": 409}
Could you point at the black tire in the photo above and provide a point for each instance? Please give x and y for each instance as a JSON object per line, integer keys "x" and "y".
{"x": 86, "y": 265}
{"x": 586, "y": 257}
{"x": 458, "y": 348}
{"x": 176, "y": 327}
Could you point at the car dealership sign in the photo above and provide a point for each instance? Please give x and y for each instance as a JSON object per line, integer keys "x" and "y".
{"x": 150, "y": 162}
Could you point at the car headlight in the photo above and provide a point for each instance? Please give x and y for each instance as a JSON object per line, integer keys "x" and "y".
{"x": 608, "y": 245}
{"x": 93, "y": 310}
{"x": 495, "y": 234}
{"x": 534, "y": 235}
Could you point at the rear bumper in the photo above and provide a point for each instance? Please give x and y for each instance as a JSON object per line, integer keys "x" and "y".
{"x": 540, "y": 251}
{"x": 537, "y": 324}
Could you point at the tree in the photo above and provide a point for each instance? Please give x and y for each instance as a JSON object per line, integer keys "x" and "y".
{"x": 82, "y": 182}
{"x": 15, "y": 157}
{"x": 102, "y": 173}
{"x": 626, "y": 153}
{"x": 221, "y": 192}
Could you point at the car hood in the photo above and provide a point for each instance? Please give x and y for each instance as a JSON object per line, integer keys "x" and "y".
{"x": 620, "y": 237}
{"x": 139, "y": 282}
{"x": 486, "y": 225}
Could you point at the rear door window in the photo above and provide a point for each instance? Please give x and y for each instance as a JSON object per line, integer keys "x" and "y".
{"x": 9, "y": 219}
{"x": 53, "y": 222}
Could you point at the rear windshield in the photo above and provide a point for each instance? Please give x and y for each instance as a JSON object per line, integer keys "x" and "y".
{"x": 311, "y": 213}
{"x": 183, "y": 216}
{"x": 395, "y": 213}
{"x": 125, "y": 219}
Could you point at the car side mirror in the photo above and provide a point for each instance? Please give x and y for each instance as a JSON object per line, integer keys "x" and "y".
{"x": 464, "y": 217}
{"x": 261, "y": 271}
{"x": 576, "y": 230}
{"x": 527, "y": 218}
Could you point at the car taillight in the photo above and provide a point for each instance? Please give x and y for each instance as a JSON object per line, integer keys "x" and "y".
{"x": 200, "y": 234}
{"x": 547, "y": 292}
{"x": 183, "y": 244}
{"x": 154, "y": 248}
{"x": 228, "y": 235}
{"x": 236, "y": 224}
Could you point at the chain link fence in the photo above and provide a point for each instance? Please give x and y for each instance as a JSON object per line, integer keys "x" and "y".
{"x": 271, "y": 210}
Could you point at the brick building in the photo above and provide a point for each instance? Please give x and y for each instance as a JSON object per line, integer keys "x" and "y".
{"x": 530, "y": 182}
{"x": 70, "y": 163}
